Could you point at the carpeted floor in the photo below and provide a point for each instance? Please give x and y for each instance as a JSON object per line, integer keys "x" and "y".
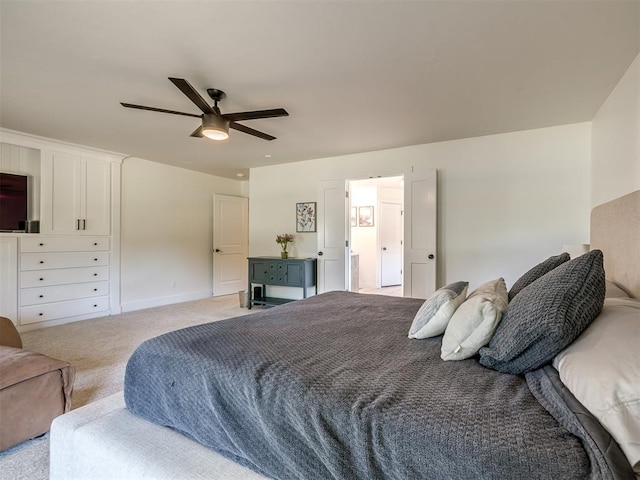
{"x": 99, "y": 349}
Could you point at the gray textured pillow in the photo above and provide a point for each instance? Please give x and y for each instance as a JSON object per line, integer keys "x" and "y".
{"x": 547, "y": 315}
{"x": 536, "y": 272}
{"x": 435, "y": 313}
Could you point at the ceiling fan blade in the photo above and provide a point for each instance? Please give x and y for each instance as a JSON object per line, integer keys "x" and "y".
{"x": 251, "y": 131}
{"x": 274, "y": 112}
{"x": 162, "y": 110}
{"x": 197, "y": 132}
{"x": 186, "y": 88}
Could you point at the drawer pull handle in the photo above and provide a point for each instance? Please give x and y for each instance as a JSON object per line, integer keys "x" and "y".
{"x": 41, "y": 244}
{"x": 40, "y": 296}
{"x": 95, "y": 244}
{"x": 95, "y": 289}
{"x": 40, "y": 314}
{"x": 41, "y": 279}
{"x": 41, "y": 261}
{"x": 95, "y": 259}
{"x": 95, "y": 306}
{"x": 95, "y": 274}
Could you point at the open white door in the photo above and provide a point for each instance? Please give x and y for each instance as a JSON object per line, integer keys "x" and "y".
{"x": 333, "y": 235}
{"x": 230, "y": 244}
{"x": 420, "y": 217}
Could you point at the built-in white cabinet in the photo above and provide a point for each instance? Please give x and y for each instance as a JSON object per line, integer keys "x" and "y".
{"x": 76, "y": 195}
{"x": 70, "y": 270}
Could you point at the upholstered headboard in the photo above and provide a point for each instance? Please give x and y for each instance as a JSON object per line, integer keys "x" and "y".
{"x": 615, "y": 229}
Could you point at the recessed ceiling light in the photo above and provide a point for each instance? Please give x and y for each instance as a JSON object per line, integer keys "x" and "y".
{"x": 240, "y": 175}
{"x": 267, "y": 156}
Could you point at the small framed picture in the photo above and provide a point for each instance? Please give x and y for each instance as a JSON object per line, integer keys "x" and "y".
{"x": 306, "y": 217}
{"x": 365, "y": 216}
{"x": 354, "y": 216}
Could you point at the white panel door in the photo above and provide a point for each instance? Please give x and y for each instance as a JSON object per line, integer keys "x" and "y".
{"x": 230, "y": 244}
{"x": 420, "y": 201}
{"x": 333, "y": 235}
{"x": 390, "y": 228}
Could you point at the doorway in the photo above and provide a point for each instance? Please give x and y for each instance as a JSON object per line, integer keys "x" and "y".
{"x": 376, "y": 226}
{"x": 334, "y": 217}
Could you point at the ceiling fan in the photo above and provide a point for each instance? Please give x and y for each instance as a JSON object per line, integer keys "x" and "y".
{"x": 215, "y": 124}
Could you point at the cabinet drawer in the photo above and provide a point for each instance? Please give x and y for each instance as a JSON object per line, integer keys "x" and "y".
{"x": 44, "y": 278}
{"x": 59, "y": 293}
{"x": 52, "y": 311}
{"x": 40, "y": 261}
{"x": 63, "y": 244}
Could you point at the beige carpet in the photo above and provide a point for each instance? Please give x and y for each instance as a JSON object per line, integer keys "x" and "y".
{"x": 99, "y": 349}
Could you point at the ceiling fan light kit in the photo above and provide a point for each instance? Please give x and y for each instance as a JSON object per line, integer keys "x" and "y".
{"x": 215, "y": 124}
{"x": 215, "y": 127}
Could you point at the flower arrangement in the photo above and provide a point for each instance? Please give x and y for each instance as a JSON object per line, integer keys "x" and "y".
{"x": 283, "y": 240}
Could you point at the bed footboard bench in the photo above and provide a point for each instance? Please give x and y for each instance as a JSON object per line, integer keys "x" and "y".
{"x": 103, "y": 440}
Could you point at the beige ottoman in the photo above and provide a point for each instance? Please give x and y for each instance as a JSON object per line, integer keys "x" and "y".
{"x": 34, "y": 389}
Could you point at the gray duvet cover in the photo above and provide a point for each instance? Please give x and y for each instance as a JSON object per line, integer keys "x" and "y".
{"x": 331, "y": 388}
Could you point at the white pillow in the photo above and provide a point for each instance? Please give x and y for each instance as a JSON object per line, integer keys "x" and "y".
{"x": 602, "y": 370}
{"x": 435, "y": 313}
{"x": 474, "y": 322}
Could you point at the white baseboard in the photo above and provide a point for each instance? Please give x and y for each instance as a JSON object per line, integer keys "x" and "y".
{"x": 161, "y": 301}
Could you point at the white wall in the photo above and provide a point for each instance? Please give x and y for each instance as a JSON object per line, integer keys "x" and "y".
{"x": 364, "y": 240}
{"x": 615, "y": 140}
{"x": 506, "y": 201}
{"x": 167, "y": 232}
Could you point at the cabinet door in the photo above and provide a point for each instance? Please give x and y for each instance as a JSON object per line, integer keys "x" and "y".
{"x": 95, "y": 192}
{"x": 294, "y": 276}
{"x": 76, "y": 195}
{"x": 258, "y": 271}
{"x": 61, "y": 205}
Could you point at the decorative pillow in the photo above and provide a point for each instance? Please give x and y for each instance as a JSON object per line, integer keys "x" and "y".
{"x": 547, "y": 315}
{"x": 602, "y": 370}
{"x": 474, "y": 322}
{"x": 536, "y": 272}
{"x": 614, "y": 291}
{"x": 435, "y": 313}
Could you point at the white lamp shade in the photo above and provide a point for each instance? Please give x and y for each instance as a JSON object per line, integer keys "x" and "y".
{"x": 215, "y": 127}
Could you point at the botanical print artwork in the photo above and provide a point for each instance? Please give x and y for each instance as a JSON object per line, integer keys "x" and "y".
{"x": 365, "y": 216}
{"x": 306, "y": 217}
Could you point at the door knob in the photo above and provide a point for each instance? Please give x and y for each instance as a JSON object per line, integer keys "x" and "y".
{"x": 217, "y": 250}
{"x": 320, "y": 254}
{"x": 384, "y": 248}
{"x": 431, "y": 256}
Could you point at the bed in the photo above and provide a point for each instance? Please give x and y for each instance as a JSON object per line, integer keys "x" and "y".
{"x": 331, "y": 387}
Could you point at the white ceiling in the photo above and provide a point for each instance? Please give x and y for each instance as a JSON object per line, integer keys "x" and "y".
{"x": 354, "y": 76}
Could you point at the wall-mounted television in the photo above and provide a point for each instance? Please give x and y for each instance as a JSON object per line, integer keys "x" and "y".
{"x": 14, "y": 196}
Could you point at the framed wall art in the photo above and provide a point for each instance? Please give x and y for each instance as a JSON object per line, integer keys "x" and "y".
{"x": 306, "y": 217}
{"x": 365, "y": 216}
